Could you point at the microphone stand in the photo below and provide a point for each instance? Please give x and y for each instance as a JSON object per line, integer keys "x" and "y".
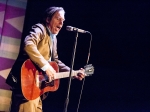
{"x": 72, "y": 63}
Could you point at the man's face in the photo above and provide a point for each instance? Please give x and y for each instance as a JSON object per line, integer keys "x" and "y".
{"x": 56, "y": 23}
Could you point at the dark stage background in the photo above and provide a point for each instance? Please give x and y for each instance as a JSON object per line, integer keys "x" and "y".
{"x": 120, "y": 54}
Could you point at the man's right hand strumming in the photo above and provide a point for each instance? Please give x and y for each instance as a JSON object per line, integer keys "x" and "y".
{"x": 50, "y": 73}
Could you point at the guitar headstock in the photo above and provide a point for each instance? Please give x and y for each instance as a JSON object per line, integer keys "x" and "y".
{"x": 89, "y": 69}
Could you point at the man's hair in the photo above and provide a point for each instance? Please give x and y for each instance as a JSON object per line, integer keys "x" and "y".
{"x": 50, "y": 12}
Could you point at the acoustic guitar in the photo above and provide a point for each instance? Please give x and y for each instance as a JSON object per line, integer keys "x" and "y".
{"x": 34, "y": 82}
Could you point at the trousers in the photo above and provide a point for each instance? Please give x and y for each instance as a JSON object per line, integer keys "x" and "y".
{"x": 21, "y": 105}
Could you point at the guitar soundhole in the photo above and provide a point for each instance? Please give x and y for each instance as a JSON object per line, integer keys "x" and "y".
{"x": 45, "y": 84}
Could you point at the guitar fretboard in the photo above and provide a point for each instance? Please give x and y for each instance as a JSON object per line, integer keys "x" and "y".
{"x": 65, "y": 74}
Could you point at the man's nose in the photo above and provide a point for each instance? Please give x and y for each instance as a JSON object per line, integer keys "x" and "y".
{"x": 61, "y": 22}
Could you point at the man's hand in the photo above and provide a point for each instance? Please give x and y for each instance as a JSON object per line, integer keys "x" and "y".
{"x": 50, "y": 73}
{"x": 80, "y": 75}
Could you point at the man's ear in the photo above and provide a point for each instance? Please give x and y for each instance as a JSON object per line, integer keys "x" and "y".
{"x": 47, "y": 20}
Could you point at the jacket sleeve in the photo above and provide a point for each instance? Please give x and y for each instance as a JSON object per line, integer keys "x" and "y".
{"x": 31, "y": 43}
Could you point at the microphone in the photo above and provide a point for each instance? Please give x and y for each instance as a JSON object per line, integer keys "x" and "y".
{"x": 70, "y": 28}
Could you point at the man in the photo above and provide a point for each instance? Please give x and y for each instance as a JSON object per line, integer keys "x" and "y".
{"x": 40, "y": 46}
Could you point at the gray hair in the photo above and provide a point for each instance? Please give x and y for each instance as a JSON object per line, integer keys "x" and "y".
{"x": 50, "y": 12}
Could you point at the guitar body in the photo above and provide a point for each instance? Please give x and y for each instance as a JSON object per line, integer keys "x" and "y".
{"x": 34, "y": 82}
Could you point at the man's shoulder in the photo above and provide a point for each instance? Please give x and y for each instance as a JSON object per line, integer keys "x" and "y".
{"x": 39, "y": 26}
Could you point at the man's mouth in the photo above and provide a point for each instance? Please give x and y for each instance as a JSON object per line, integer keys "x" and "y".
{"x": 58, "y": 27}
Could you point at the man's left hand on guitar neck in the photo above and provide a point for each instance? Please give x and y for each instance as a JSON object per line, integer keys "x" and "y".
{"x": 80, "y": 75}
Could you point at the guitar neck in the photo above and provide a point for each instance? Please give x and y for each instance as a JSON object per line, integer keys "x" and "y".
{"x": 64, "y": 74}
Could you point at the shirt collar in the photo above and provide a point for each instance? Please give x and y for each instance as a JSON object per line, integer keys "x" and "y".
{"x": 51, "y": 34}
